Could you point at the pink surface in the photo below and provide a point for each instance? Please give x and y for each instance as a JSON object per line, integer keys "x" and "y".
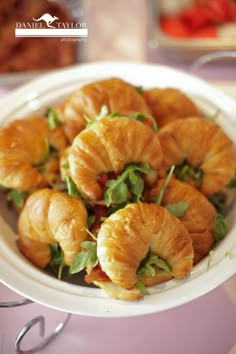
{"x": 204, "y": 326}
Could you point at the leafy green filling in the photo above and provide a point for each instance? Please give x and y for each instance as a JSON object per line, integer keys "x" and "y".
{"x": 129, "y": 181}
{"x": 232, "y": 183}
{"x": 139, "y": 89}
{"x": 220, "y": 228}
{"x": 53, "y": 119}
{"x": 16, "y": 196}
{"x": 151, "y": 264}
{"x": 57, "y": 262}
{"x": 84, "y": 258}
{"x": 142, "y": 117}
{"x": 183, "y": 171}
{"x": 71, "y": 187}
{"x": 159, "y": 198}
{"x": 177, "y": 209}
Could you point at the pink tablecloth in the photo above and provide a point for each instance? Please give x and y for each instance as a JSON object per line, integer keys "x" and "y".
{"x": 204, "y": 326}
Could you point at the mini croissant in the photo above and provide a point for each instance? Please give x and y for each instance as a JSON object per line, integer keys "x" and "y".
{"x": 108, "y": 145}
{"x": 198, "y": 218}
{"x": 204, "y": 146}
{"x": 24, "y": 145}
{"x": 116, "y": 94}
{"x": 124, "y": 240}
{"x": 49, "y": 217}
{"x": 168, "y": 104}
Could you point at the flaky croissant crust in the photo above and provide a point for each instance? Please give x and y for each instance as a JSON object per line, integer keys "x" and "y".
{"x": 127, "y": 235}
{"x": 204, "y": 145}
{"x": 48, "y": 217}
{"x": 116, "y": 94}
{"x": 168, "y": 104}
{"x": 108, "y": 145}
{"x": 198, "y": 218}
{"x": 24, "y": 145}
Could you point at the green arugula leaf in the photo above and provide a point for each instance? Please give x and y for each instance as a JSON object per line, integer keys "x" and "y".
{"x": 53, "y": 119}
{"x": 137, "y": 188}
{"x": 140, "y": 286}
{"x": 79, "y": 262}
{"x": 150, "y": 264}
{"x": 142, "y": 167}
{"x": 177, "y": 209}
{"x": 133, "y": 177}
{"x": 66, "y": 165}
{"x": 232, "y": 183}
{"x": 185, "y": 170}
{"x": 17, "y": 197}
{"x": 138, "y": 116}
{"x": 120, "y": 193}
{"x": 84, "y": 258}
{"x": 103, "y": 113}
{"x": 139, "y": 89}
{"x": 159, "y": 198}
{"x": 142, "y": 117}
{"x": 118, "y": 189}
{"x": 91, "y": 220}
{"x": 220, "y": 227}
{"x": 71, "y": 187}
{"x": 57, "y": 262}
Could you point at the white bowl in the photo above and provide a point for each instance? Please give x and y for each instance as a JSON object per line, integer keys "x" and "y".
{"x": 24, "y": 278}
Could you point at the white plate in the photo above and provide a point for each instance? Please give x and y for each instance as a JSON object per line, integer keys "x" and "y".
{"x": 18, "y": 274}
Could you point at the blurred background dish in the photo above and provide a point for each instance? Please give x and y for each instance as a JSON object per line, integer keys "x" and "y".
{"x": 191, "y": 28}
{"x": 19, "y": 54}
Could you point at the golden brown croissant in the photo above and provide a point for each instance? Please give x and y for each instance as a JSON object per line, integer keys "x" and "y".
{"x": 198, "y": 218}
{"x": 114, "y": 93}
{"x": 48, "y": 217}
{"x": 126, "y": 237}
{"x": 24, "y": 146}
{"x": 202, "y": 145}
{"x": 37, "y": 252}
{"x": 108, "y": 145}
{"x": 168, "y": 104}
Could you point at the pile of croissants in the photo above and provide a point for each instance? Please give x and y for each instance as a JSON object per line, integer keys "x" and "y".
{"x": 121, "y": 183}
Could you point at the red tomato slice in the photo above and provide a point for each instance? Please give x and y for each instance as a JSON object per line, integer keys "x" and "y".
{"x": 217, "y": 10}
{"x": 209, "y": 31}
{"x": 194, "y": 17}
{"x": 174, "y": 27}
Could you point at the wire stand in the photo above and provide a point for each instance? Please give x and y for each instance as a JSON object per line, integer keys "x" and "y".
{"x": 41, "y": 321}
{"x": 214, "y": 56}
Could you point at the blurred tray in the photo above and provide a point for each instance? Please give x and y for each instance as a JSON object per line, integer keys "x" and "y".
{"x": 11, "y": 79}
{"x": 188, "y": 48}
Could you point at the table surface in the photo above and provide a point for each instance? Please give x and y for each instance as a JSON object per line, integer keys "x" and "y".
{"x": 204, "y": 326}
